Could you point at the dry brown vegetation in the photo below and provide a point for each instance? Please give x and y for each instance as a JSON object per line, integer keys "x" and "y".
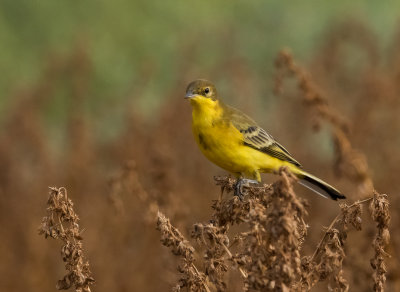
{"x": 268, "y": 250}
{"x": 61, "y": 223}
{"x": 272, "y": 240}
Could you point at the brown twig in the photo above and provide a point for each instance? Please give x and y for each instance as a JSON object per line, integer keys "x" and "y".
{"x": 333, "y": 223}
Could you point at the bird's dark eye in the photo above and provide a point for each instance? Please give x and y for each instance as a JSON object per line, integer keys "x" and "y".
{"x": 207, "y": 90}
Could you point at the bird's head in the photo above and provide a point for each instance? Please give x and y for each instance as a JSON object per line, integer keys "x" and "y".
{"x": 201, "y": 92}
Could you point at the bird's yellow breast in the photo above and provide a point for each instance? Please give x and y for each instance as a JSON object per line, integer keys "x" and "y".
{"x": 223, "y": 144}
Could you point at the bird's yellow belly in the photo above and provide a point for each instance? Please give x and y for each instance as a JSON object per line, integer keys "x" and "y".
{"x": 224, "y": 146}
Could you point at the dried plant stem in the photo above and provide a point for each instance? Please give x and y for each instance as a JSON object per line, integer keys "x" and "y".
{"x": 199, "y": 275}
{"x": 380, "y": 214}
{"x": 333, "y": 224}
{"x": 348, "y": 162}
{"x": 230, "y": 256}
{"x": 171, "y": 237}
{"x": 61, "y": 222}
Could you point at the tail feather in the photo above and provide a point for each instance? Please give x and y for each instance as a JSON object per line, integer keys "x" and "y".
{"x": 320, "y": 187}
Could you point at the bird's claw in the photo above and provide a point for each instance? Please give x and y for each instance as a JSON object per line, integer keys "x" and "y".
{"x": 240, "y": 183}
{"x": 239, "y": 189}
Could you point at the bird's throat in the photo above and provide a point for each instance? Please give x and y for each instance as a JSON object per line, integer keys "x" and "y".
{"x": 205, "y": 112}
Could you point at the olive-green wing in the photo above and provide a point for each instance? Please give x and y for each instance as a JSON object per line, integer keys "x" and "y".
{"x": 256, "y": 137}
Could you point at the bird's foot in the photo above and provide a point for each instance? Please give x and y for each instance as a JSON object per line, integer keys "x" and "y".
{"x": 240, "y": 183}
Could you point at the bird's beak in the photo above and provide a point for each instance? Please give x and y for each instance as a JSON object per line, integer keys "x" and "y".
{"x": 189, "y": 95}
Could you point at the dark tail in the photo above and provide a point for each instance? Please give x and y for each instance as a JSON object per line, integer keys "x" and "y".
{"x": 319, "y": 186}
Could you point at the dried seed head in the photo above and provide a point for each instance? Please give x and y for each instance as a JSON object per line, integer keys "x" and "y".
{"x": 61, "y": 222}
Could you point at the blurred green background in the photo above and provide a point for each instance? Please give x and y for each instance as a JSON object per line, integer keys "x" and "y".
{"x": 126, "y": 40}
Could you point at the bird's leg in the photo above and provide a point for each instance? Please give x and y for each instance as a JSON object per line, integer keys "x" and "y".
{"x": 239, "y": 186}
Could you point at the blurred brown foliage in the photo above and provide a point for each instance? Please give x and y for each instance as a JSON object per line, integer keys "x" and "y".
{"x": 117, "y": 186}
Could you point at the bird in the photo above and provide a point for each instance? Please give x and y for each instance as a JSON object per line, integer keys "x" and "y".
{"x": 235, "y": 142}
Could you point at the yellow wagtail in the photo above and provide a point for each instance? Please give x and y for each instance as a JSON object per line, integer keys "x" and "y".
{"x": 234, "y": 142}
